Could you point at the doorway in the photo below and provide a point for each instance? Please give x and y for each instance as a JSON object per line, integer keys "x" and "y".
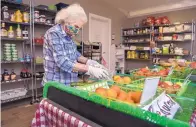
{"x": 100, "y": 31}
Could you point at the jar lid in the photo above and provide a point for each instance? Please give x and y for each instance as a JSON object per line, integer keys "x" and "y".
{"x": 42, "y": 16}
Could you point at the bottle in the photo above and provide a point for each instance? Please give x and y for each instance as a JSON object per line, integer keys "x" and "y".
{"x": 3, "y": 30}
{"x": 10, "y": 32}
{"x": 12, "y": 17}
{"x": 18, "y": 32}
{"x": 5, "y": 75}
{"x": 25, "y": 34}
{"x": 18, "y": 16}
{"x": 25, "y": 17}
{"x": 13, "y": 75}
{"x": 5, "y": 13}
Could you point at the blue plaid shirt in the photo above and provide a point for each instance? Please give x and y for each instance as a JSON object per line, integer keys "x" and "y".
{"x": 60, "y": 54}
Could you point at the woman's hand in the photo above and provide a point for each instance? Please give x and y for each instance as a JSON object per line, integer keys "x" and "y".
{"x": 94, "y": 64}
{"x": 98, "y": 73}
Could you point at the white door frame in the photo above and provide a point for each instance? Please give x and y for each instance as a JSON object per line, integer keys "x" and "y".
{"x": 101, "y": 18}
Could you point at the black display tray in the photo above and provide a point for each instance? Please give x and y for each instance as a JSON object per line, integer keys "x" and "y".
{"x": 97, "y": 113}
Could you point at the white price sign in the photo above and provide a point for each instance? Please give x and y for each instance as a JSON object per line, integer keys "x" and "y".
{"x": 150, "y": 88}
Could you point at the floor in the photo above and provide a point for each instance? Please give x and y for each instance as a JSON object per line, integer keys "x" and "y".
{"x": 20, "y": 116}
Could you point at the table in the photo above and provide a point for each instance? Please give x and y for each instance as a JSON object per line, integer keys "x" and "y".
{"x": 50, "y": 114}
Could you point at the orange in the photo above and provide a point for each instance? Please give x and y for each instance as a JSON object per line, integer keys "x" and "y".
{"x": 116, "y": 88}
{"x": 129, "y": 95}
{"x": 122, "y": 96}
{"x": 116, "y": 77}
{"x": 111, "y": 93}
{"x": 129, "y": 101}
{"x": 120, "y": 81}
{"x": 136, "y": 96}
{"x": 126, "y": 80}
{"x": 101, "y": 91}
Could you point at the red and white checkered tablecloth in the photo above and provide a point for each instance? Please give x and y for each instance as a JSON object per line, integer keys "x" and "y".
{"x": 48, "y": 115}
{"x": 193, "y": 119}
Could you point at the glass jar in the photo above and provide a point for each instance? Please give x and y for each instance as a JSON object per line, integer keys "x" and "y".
{"x": 36, "y": 14}
{"x": 25, "y": 17}
{"x": 42, "y": 18}
{"x": 5, "y": 13}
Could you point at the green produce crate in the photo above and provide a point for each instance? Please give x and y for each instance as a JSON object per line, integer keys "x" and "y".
{"x": 181, "y": 74}
{"x": 140, "y": 84}
{"x": 181, "y": 119}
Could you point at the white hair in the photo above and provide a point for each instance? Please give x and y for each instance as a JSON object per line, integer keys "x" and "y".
{"x": 72, "y": 13}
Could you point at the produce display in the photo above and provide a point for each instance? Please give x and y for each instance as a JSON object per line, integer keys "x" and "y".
{"x": 122, "y": 79}
{"x": 125, "y": 99}
{"x": 116, "y": 92}
{"x": 146, "y": 72}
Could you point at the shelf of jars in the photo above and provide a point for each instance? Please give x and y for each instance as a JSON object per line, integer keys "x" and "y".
{"x": 15, "y": 28}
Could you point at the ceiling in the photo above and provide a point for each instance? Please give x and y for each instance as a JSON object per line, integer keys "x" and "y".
{"x": 136, "y": 8}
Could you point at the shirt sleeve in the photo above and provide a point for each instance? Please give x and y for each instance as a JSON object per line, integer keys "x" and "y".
{"x": 59, "y": 53}
{"x": 78, "y": 54}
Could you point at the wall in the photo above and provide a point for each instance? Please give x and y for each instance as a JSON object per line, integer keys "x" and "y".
{"x": 175, "y": 16}
{"x": 97, "y": 7}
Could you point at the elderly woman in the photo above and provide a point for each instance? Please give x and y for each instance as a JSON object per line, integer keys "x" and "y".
{"x": 62, "y": 61}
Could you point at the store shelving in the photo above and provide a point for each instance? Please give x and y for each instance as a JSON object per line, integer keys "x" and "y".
{"x": 13, "y": 39}
{"x": 163, "y": 41}
{"x": 134, "y": 35}
{"x": 170, "y": 54}
{"x": 16, "y": 98}
{"x": 11, "y": 62}
{"x": 18, "y": 79}
{"x": 166, "y": 33}
{"x": 43, "y": 24}
{"x": 92, "y": 51}
{"x": 48, "y": 11}
{"x": 138, "y": 59}
{"x": 143, "y": 42}
{"x": 39, "y": 64}
{"x": 13, "y": 6}
{"x": 10, "y": 22}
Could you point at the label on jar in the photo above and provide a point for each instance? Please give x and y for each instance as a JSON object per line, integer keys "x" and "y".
{"x": 163, "y": 105}
{"x": 11, "y": 34}
{"x": 18, "y": 32}
{"x": 43, "y": 20}
{"x": 26, "y": 17}
{"x": 6, "y": 77}
{"x": 5, "y": 15}
{"x": 13, "y": 77}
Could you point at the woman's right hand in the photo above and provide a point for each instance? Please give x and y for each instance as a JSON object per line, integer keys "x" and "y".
{"x": 98, "y": 73}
